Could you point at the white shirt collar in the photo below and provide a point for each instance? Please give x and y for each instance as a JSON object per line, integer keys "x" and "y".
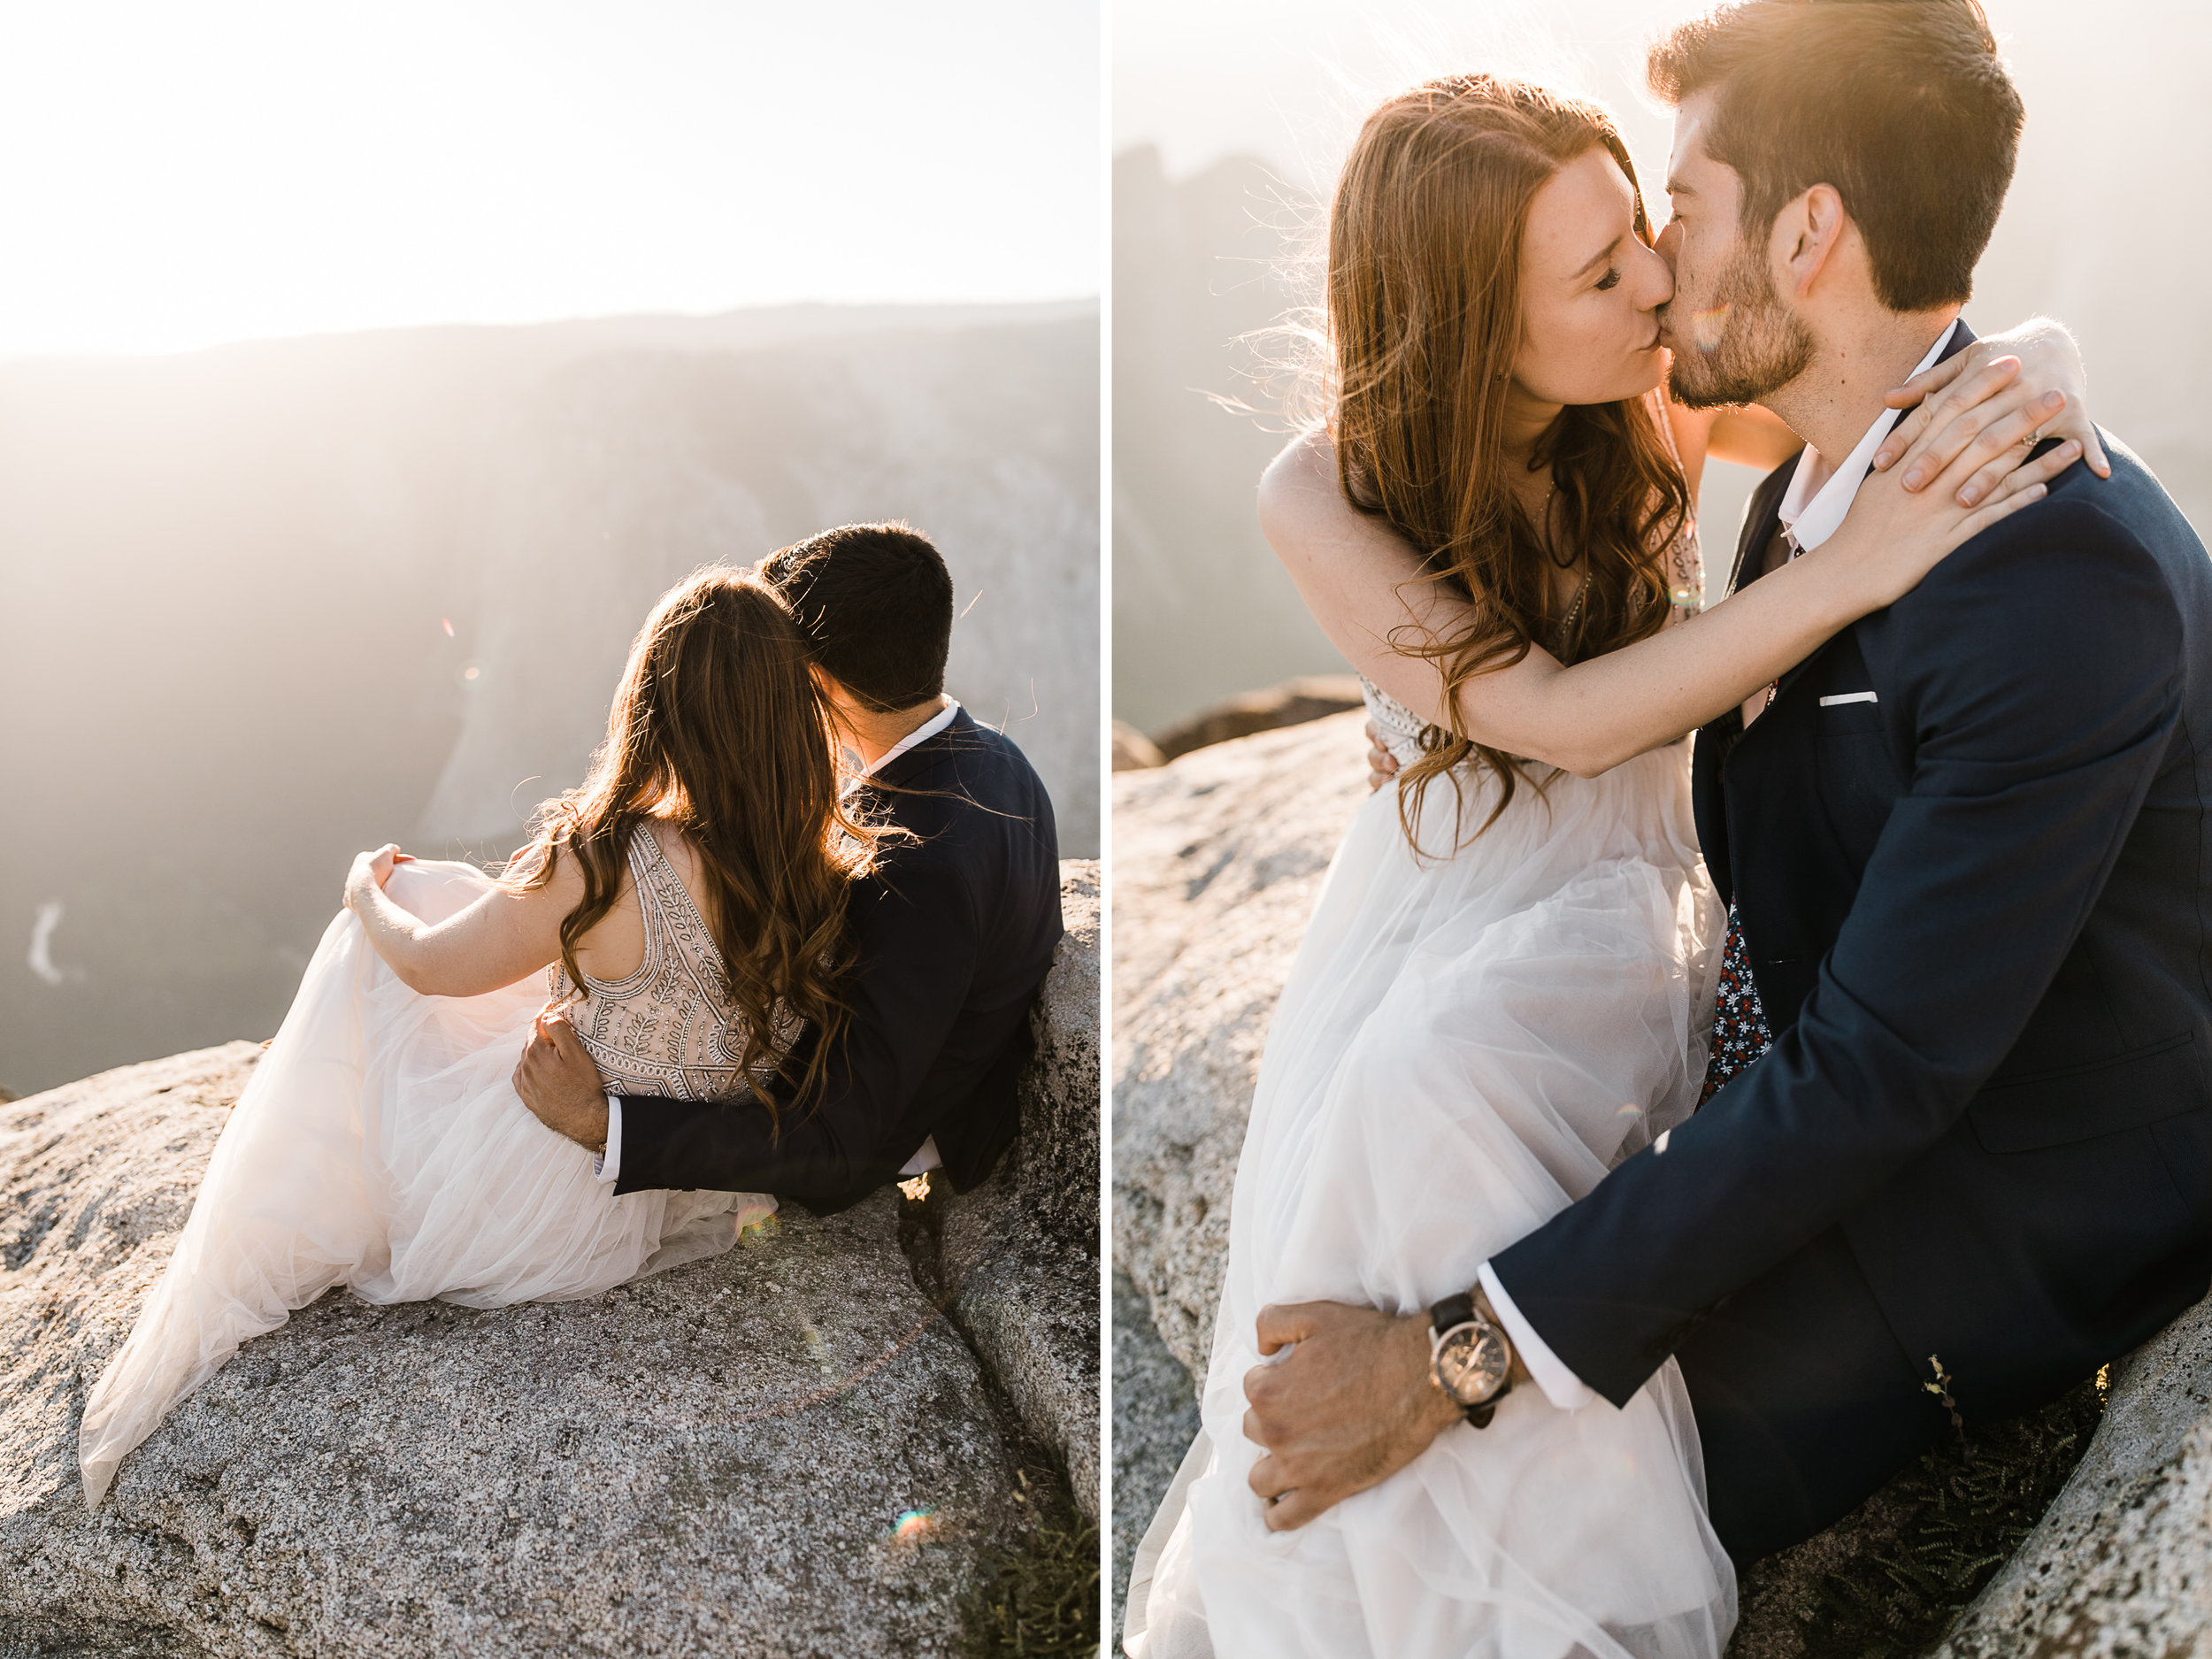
{"x": 1810, "y": 517}
{"x": 921, "y": 733}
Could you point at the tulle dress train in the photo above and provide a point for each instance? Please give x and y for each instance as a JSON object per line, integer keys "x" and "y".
{"x": 1466, "y": 1045}
{"x": 381, "y": 1145}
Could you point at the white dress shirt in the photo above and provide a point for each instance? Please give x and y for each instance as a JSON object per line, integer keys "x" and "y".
{"x": 1813, "y": 506}
{"x": 1811, "y": 511}
{"x": 607, "y": 1164}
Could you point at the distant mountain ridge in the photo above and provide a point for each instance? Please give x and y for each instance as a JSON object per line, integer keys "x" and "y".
{"x": 263, "y": 605}
{"x": 1202, "y": 608}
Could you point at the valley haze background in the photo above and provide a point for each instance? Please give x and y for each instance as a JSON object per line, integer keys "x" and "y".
{"x": 371, "y": 376}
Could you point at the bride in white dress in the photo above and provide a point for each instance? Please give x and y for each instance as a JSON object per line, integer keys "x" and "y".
{"x": 686, "y": 902}
{"x": 1503, "y": 988}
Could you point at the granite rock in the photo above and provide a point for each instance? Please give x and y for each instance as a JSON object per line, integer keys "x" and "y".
{"x": 1134, "y": 751}
{"x": 1155, "y": 1419}
{"x": 790, "y": 1449}
{"x": 1019, "y": 1255}
{"x": 1217, "y": 858}
{"x": 1292, "y": 702}
{"x": 2120, "y": 1564}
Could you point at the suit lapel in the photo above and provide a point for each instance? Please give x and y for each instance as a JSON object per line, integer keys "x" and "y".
{"x": 1763, "y": 516}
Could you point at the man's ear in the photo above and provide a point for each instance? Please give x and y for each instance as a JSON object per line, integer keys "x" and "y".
{"x": 843, "y": 707}
{"x": 1807, "y": 234}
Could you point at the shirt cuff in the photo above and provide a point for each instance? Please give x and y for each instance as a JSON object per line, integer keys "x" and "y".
{"x": 1560, "y": 1386}
{"x": 607, "y": 1165}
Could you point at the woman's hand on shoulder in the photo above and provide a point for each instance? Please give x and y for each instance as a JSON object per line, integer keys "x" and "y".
{"x": 1897, "y": 536}
{"x": 1989, "y": 405}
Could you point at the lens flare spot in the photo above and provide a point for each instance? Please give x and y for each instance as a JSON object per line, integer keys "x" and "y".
{"x": 472, "y": 671}
{"x": 1707, "y": 326}
{"x": 1630, "y": 1110}
{"x": 447, "y": 624}
{"x": 914, "y": 1526}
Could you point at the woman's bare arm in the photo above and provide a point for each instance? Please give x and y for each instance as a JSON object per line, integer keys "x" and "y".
{"x": 502, "y": 937}
{"x": 1751, "y": 436}
{"x": 1364, "y": 585}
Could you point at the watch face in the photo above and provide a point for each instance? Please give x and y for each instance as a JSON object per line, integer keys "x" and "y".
{"x": 1470, "y": 1363}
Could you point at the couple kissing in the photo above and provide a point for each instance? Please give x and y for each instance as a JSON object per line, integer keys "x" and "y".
{"x": 1656, "y": 1137}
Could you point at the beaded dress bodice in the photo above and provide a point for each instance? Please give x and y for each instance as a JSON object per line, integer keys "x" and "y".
{"x": 668, "y": 1029}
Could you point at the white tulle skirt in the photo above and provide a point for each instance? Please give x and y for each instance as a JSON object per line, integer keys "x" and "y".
{"x": 381, "y": 1145}
{"x": 1465, "y": 1047}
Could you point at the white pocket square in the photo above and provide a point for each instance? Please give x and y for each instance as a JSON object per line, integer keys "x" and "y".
{"x": 1848, "y": 696}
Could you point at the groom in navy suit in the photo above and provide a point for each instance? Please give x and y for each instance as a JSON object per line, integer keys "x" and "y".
{"x": 1958, "y": 1126}
{"x": 953, "y": 933}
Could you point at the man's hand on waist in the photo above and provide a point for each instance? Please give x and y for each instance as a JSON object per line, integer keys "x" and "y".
{"x": 1355, "y": 1401}
{"x": 560, "y": 1083}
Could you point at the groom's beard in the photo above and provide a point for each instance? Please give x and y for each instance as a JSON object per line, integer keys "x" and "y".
{"x": 1743, "y": 347}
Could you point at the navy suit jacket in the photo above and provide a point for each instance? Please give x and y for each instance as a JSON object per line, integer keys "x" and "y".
{"x": 1976, "y": 914}
{"x": 954, "y": 933}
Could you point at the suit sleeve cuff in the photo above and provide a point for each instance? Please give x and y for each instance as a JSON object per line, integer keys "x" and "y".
{"x": 1560, "y": 1386}
{"x": 608, "y": 1166}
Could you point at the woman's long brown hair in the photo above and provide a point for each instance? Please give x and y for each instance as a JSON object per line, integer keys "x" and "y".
{"x": 719, "y": 730}
{"x": 1425, "y": 319}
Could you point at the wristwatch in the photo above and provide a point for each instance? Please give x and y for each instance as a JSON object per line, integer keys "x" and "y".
{"x": 1469, "y": 1357}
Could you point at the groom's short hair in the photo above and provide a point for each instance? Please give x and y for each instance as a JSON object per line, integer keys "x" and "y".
{"x": 1901, "y": 105}
{"x": 875, "y": 601}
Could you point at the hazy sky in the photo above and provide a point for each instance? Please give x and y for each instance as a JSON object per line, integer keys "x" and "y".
{"x": 172, "y": 175}
{"x": 2104, "y": 226}
{"x": 1286, "y": 80}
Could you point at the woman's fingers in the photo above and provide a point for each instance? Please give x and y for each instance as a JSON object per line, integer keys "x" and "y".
{"x": 2044, "y": 468}
{"x": 1902, "y": 437}
{"x": 2022, "y": 487}
{"x": 1927, "y": 383}
{"x": 2074, "y": 423}
{"x": 2002, "y": 445}
{"x": 1985, "y": 482}
{"x": 1962, "y": 415}
{"x": 1986, "y": 381}
{"x": 2002, "y": 507}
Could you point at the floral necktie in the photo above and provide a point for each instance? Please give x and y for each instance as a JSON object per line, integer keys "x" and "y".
{"x": 1739, "y": 1025}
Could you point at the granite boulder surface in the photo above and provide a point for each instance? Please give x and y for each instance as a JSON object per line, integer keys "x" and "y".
{"x": 803, "y": 1447}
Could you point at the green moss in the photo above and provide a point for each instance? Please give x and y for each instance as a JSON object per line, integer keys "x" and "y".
{"x": 1039, "y": 1599}
{"x": 1954, "y": 1518}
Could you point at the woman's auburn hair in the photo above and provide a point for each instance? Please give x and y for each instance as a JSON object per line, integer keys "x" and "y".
{"x": 1424, "y": 321}
{"x": 719, "y": 730}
